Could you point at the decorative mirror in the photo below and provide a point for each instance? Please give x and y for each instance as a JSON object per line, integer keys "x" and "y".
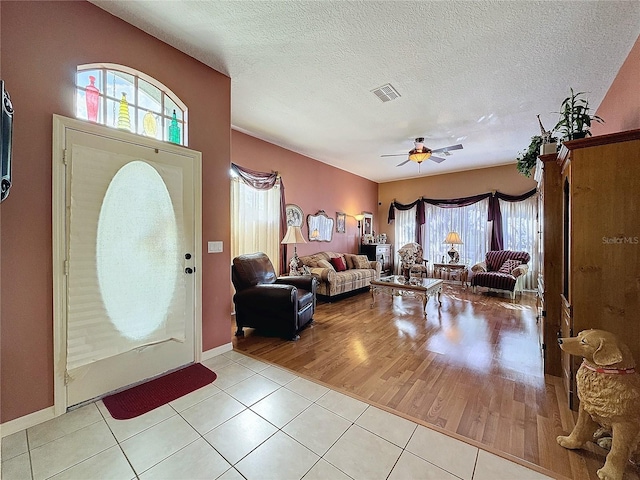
{"x": 320, "y": 227}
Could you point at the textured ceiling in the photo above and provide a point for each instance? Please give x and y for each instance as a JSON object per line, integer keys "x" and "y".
{"x": 470, "y": 72}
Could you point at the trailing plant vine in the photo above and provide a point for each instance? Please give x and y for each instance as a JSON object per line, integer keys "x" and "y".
{"x": 527, "y": 158}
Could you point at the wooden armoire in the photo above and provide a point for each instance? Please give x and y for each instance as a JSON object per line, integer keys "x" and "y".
{"x": 550, "y": 259}
{"x": 599, "y": 242}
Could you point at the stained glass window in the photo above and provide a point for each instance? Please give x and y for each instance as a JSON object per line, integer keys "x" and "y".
{"x": 120, "y": 97}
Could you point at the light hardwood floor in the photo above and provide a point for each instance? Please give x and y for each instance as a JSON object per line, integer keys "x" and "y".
{"x": 472, "y": 368}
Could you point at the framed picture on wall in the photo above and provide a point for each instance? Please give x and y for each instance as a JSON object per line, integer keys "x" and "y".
{"x": 341, "y": 222}
{"x": 367, "y": 223}
{"x": 294, "y": 215}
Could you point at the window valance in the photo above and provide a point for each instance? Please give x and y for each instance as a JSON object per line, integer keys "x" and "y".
{"x": 255, "y": 179}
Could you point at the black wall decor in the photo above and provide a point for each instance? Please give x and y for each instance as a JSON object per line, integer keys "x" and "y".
{"x": 6, "y": 131}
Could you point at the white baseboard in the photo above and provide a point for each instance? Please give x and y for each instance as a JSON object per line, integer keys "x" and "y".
{"x": 28, "y": 421}
{"x": 214, "y": 352}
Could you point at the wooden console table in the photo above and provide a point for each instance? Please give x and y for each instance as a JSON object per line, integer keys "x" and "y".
{"x": 458, "y": 271}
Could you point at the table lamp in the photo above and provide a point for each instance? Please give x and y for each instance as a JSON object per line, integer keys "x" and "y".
{"x": 293, "y": 236}
{"x": 453, "y": 239}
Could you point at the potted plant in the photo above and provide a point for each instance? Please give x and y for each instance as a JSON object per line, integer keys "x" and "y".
{"x": 575, "y": 119}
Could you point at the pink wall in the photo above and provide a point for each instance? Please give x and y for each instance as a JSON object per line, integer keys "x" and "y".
{"x": 42, "y": 43}
{"x": 312, "y": 186}
{"x": 620, "y": 107}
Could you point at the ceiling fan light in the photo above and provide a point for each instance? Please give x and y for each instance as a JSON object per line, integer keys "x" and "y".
{"x": 419, "y": 155}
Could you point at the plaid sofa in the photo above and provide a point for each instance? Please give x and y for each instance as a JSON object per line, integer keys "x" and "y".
{"x": 501, "y": 270}
{"x": 332, "y": 282}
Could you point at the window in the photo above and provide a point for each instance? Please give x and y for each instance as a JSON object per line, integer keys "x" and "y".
{"x": 404, "y": 230}
{"x": 120, "y": 97}
{"x": 255, "y": 220}
{"x": 470, "y": 222}
{"x": 519, "y": 233}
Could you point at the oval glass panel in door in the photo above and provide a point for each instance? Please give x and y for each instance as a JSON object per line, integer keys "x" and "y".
{"x": 137, "y": 250}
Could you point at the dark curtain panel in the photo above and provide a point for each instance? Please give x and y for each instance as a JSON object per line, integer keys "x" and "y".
{"x": 409, "y": 206}
{"x": 494, "y": 214}
{"x": 266, "y": 181}
{"x": 392, "y": 213}
{"x": 420, "y": 219}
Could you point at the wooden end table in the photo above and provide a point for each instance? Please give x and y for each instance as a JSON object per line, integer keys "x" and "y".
{"x": 459, "y": 270}
{"x": 397, "y": 285}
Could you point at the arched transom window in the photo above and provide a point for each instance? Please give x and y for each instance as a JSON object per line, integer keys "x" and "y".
{"x": 120, "y": 97}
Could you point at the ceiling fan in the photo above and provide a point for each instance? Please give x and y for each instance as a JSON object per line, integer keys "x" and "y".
{"x": 420, "y": 153}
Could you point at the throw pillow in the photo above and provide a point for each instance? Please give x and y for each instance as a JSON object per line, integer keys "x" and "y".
{"x": 338, "y": 264}
{"x": 325, "y": 264}
{"x": 309, "y": 262}
{"x": 361, "y": 261}
{"x": 349, "y": 258}
{"x": 508, "y": 266}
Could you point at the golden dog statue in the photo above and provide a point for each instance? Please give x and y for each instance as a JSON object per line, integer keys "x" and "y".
{"x": 609, "y": 393}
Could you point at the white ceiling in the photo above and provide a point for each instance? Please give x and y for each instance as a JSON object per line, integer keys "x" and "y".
{"x": 470, "y": 72}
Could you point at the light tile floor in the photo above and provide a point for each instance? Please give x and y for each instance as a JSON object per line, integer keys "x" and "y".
{"x": 256, "y": 421}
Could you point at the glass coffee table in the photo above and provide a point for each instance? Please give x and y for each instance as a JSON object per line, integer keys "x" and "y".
{"x": 397, "y": 285}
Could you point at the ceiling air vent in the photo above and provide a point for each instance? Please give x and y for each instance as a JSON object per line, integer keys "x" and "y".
{"x": 386, "y": 93}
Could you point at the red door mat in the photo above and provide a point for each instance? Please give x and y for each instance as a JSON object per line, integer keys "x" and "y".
{"x": 143, "y": 398}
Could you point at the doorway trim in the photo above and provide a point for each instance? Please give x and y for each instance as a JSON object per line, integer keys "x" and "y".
{"x": 59, "y": 237}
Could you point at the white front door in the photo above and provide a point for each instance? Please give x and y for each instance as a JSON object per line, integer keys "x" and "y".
{"x": 129, "y": 259}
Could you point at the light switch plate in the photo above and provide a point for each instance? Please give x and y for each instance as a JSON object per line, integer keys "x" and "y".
{"x": 214, "y": 247}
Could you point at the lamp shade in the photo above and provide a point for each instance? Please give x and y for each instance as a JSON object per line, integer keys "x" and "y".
{"x": 359, "y": 217}
{"x": 294, "y": 235}
{"x": 453, "y": 239}
{"x": 419, "y": 155}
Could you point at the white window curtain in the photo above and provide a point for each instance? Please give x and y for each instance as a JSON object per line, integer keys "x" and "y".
{"x": 255, "y": 220}
{"x": 519, "y": 233}
{"x": 470, "y": 222}
{"x": 404, "y": 231}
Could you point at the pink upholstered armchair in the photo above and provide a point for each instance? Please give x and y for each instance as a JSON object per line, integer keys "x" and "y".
{"x": 501, "y": 270}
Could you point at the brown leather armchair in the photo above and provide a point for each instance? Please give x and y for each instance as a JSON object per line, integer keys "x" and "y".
{"x": 274, "y": 305}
